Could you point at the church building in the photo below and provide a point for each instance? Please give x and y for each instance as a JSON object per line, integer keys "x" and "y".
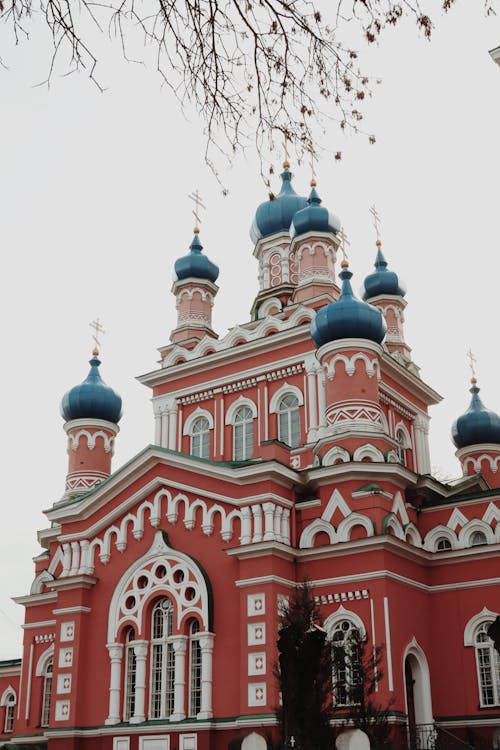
{"x": 295, "y": 446}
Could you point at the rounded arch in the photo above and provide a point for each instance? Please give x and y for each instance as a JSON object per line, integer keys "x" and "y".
{"x": 438, "y": 532}
{"x": 43, "y": 660}
{"x": 8, "y": 693}
{"x": 392, "y": 525}
{"x": 370, "y": 452}
{"x": 306, "y": 540}
{"x": 486, "y": 615}
{"x": 414, "y": 659}
{"x": 344, "y": 614}
{"x": 39, "y": 582}
{"x": 467, "y": 532}
{"x": 402, "y": 429}
{"x": 336, "y": 455}
{"x": 241, "y": 401}
{"x": 347, "y": 524}
{"x": 162, "y": 570}
{"x": 285, "y": 390}
{"x": 413, "y": 535}
{"x": 196, "y": 414}
{"x": 268, "y": 306}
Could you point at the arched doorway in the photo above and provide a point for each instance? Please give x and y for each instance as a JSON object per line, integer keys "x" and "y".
{"x": 421, "y": 733}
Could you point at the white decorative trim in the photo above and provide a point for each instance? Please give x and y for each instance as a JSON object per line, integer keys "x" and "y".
{"x": 67, "y": 631}
{"x": 284, "y": 390}
{"x": 65, "y": 658}
{"x": 344, "y": 614}
{"x": 121, "y": 743}
{"x": 268, "y": 305}
{"x": 256, "y": 663}
{"x": 400, "y": 426}
{"x": 422, "y": 684}
{"x": 348, "y": 524}
{"x": 388, "y": 649}
{"x": 368, "y": 451}
{"x": 63, "y": 683}
{"x": 465, "y": 534}
{"x": 42, "y": 661}
{"x": 257, "y": 694}
{"x": 9, "y": 690}
{"x": 436, "y": 533}
{"x": 471, "y": 626}
{"x": 155, "y": 742}
{"x": 456, "y": 519}
{"x": 62, "y": 710}
{"x": 39, "y": 581}
{"x": 196, "y": 414}
{"x": 399, "y": 509}
{"x": 372, "y": 366}
{"x": 256, "y": 604}
{"x": 412, "y": 535}
{"x": 336, "y": 455}
{"x": 240, "y": 401}
{"x": 188, "y": 741}
{"x": 130, "y": 596}
{"x": 395, "y": 525}
{"x": 256, "y": 632}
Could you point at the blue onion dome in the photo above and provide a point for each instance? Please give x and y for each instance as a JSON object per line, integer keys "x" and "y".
{"x": 92, "y": 399}
{"x": 195, "y": 264}
{"x": 275, "y": 215}
{"x": 348, "y": 317}
{"x": 382, "y": 281}
{"x": 314, "y": 217}
{"x": 477, "y": 425}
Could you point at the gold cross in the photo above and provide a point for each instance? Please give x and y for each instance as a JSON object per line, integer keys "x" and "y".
{"x": 343, "y": 242}
{"x": 313, "y": 168}
{"x": 96, "y": 325}
{"x": 198, "y": 203}
{"x": 472, "y": 363}
{"x": 376, "y": 221}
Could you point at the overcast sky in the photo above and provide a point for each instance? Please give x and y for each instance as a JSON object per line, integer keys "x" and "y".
{"x": 94, "y": 212}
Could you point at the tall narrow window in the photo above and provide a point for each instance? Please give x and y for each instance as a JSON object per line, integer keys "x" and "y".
{"x": 130, "y": 675}
{"x": 402, "y": 446}
{"x": 243, "y": 434}
{"x": 289, "y": 421}
{"x": 200, "y": 438}
{"x": 346, "y": 656}
{"x": 488, "y": 667}
{"x": 162, "y": 661}
{"x": 47, "y": 692}
{"x": 10, "y": 707}
{"x": 194, "y": 669}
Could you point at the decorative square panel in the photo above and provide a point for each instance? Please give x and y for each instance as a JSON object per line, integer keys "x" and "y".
{"x": 256, "y": 663}
{"x": 63, "y": 683}
{"x": 256, "y": 633}
{"x": 188, "y": 741}
{"x": 121, "y": 743}
{"x": 62, "y": 710}
{"x": 256, "y": 604}
{"x": 67, "y": 631}
{"x": 154, "y": 742}
{"x": 257, "y": 694}
{"x": 66, "y": 657}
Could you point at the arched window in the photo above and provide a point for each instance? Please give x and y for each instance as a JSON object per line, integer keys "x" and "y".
{"x": 346, "y": 656}
{"x": 243, "y": 434}
{"x": 289, "y": 420}
{"x": 488, "y": 667}
{"x": 194, "y": 669}
{"x": 200, "y": 438}
{"x": 402, "y": 446}
{"x": 10, "y": 707}
{"x": 130, "y": 675}
{"x": 478, "y": 538}
{"x": 162, "y": 660}
{"x": 443, "y": 544}
{"x": 47, "y": 692}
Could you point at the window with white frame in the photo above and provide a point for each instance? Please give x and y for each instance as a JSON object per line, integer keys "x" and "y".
{"x": 243, "y": 433}
{"x": 47, "y": 675}
{"x": 477, "y": 539}
{"x": 10, "y": 707}
{"x": 289, "y": 420}
{"x": 130, "y": 675}
{"x": 200, "y": 438}
{"x": 162, "y": 660}
{"x": 402, "y": 442}
{"x": 443, "y": 544}
{"x": 194, "y": 669}
{"x": 488, "y": 666}
{"x": 346, "y": 659}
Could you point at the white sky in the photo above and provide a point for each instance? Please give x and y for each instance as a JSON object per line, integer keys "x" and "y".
{"x": 94, "y": 211}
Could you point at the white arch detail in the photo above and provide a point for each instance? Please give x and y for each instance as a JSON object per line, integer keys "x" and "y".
{"x": 336, "y": 454}
{"x": 285, "y": 390}
{"x": 436, "y": 533}
{"x": 402, "y": 428}
{"x": 344, "y": 614}
{"x": 308, "y": 535}
{"x": 394, "y": 524}
{"x": 9, "y": 690}
{"x": 474, "y": 622}
{"x": 355, "y": 519}
{"x": 268, "y": 305}
{"x": 39, "y": 581}
{"x": 198, "y": 412}
{"x": 422, "y": 683}
{"x": 412, "y": 535}
{"x": 476, "y": 524}
{"x": 372, "y": 366}
{"x": 43, "y": 659}
{"x": 368, "y": 451}
{"x": 240, "y": 401}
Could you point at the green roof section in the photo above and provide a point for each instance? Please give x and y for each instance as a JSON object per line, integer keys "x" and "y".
{"x": 4, "y": 663}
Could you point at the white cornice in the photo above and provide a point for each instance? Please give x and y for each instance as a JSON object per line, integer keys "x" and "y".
{"x": 73, "y": 582}
{"x": 35, "y": 600}
{"x": 363, "y": 470}
{"x": 262, "y": 549}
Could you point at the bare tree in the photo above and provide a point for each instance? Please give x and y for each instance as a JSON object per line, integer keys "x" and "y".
{"x": 252, "y": 69}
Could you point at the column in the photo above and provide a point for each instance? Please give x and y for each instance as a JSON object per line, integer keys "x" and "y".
{"x": 164, "y": 428}
{"x": 157, "y": 414}
{"x": 180, "y": 645}
{"x": 207, "y": 647}
{"x": 257, "y": 523}
{"x": 172, "y": 426}
{"x": 321, "y": 398}
{"x": 313, "y": 406}
{"x": 246, "y": 525}
{"x": 269, "y": 522}
{"x": 115, "y": 657}
{"x": 140, "y": 652}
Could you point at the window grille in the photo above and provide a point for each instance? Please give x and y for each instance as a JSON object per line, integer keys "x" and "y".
{"x": 346, "y": 655}
{"x": 47, "y": 692}
{"x": 289, "y": 421}
{"x": 130, "y": 675}
{"x": 162, "y": 661}
{"x": 194, "y": 669}
{"x": 243, "y": 434}
{"x": 488, "y": 667}
{"x": 200, "y": 438}
{"x": 10, "y": 707}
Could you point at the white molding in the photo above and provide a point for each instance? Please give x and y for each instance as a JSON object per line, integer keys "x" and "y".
{"x": 344, "y": 614}
{"x": 422, "y": 683}
{"x": 240, "y": 401}
{"x": 368, "y": 451}
{"x": 9, "y": 690}
{"x": 196, "y": 414}
{"x": 284, "y": 390}
{"x": 474, "y": 622}
{"x": 336, "y": 455}
{"x": 43, "y": 659}
{"x": 436, "y": 533}
{"x": 388, "y": 649}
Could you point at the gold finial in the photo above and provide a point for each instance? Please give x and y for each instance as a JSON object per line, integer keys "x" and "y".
{"x": 98, "y": 329}
{"x": 343, "y": 242}
{"x": 376, "y": 223}
{"x": 313, "y": 169}
{"x": 198, "y": 203}
{"x": 286, "y": 163}
{"x": 472, "y": 365}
